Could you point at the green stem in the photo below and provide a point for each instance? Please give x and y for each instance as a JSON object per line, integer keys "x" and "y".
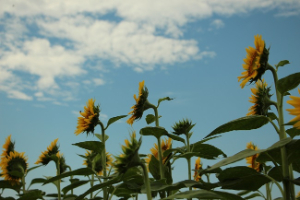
{"x": 282, "y": 135}
{"x": 70, "y": 178}
{"x": 103, "y": 157}
{"x": 189, "y": 159}
{"x": 92, "y": 184}
{"x": 58, "y": 181}
{"x": 292, "y": 184}
{"x": 278, "y": 185}
{"x": 23, "y": 184}
{"x": 268, "y": 190}
{"x": 275, "y": 127}
{"x": 147, "y": 182}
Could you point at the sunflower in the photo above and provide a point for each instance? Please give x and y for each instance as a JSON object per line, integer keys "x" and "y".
{"x": 296, "y": 111}
{"x": 255, "y": 62}
{"x": 8, "y": 147}
{"x": 90, "y": 155}
{"x": 45, "y": 157}
{"x": 141, "y": 104}
{"x": 198, "y": 166}
{"x": 89, "y": 118}
{"x": 252, "y": 159}
{"x": 165, "y": 145}
{"x": 261, "y": 99}
{"x": 14, "y": 162}
{"x": 62, "y": 162}
{"x": 129, "y": 158}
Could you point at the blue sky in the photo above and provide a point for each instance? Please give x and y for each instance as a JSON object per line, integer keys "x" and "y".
{"x": 54, "y": 56}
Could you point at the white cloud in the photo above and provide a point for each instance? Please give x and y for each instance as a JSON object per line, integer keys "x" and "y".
{"x": 147, "y": 33}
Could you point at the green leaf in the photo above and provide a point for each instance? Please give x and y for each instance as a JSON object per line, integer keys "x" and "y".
{"x": 4, "y": 184}
{"x": 241, "y": 178}
{"x": 80, "y": 172}
{"x": 244, "y": 123}
{"x": 276, "y": 173}
{"x": 100, "y": 137}
{"x": 177, "y": 138}
{"x": 296, "y": 181}
{"x": 161, "y": 185}
{"x": 73, "y": 185}
{"x": 6, "y": 198}
{"x": 272, "y": 116}
{"x": 114, "y": 119}
{"x": 288, "y": 83}
{"x": 164, "y": 99}
{"x": 91, "y": 145}
{"x": 150, "y": 118}
{"x": 37, "y": 180}
{"x": 32, "y": 195}
{"x": 293, "y": 132}
{"x": 207, "y": 151}
{"x": 154, "y": 131}
{"x": 251, "y": 196}
{"x": 204, "y": 194}
{"x": 282, "y": 63}
{"x": 99, "y": 186}
{"x": 246, "y": 153}
{"x": 32, "y": 168}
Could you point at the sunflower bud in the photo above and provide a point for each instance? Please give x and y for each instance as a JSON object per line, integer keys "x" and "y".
{"x": 130, "y": 157}
{"x": 183, "y": 127}
{"x": 8, "y": 147}
{"x": 261, "y": 99}
{"x": 46, "y": 156}
{"x": 94, "y": 161}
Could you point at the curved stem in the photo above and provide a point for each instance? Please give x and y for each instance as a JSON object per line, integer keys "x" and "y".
{"x": 23, "y": 184}
{"x": 274, "y": 125}
{"x": 58, "y": 181}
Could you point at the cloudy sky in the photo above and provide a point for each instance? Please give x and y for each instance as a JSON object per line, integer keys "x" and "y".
{"x": 55, "y": 55}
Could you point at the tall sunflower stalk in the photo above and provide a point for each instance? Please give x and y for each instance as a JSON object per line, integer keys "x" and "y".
{"x": 141, "y": 105}
{"x": 256, "y": 63}
{"x": 184, "y": 127}
{"x": 86, "y": 123}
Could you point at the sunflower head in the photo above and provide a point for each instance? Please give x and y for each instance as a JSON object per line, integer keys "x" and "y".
{"x": 15, "y": 162}
{"x": 165, "y": 145}
{"x": 129, "y": 158}
{"x": 45, "y": 156}
{"x": 252, "y": 159}
{"x": 295, "y": 101}
{"x": 255, "y": 62}
{"x": 141, "y": 104}
{"x": 89, "y": 118}
{"x": 183, "y": 127}
{"x": 198, "y": 166}
{"x": 261, "y": 99}
{"x": 8, "y": 147}
{"x": 92, "y": 156}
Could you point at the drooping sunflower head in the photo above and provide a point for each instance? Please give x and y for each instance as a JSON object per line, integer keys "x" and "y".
{"x": 260, "y": 98}
{"x": 89, "y": 118}
{"x": 8, "y": 147}
{"x": 140, "y": 104}
{"x": 92, "y": 157}
{"x": 255, "y": 62}
{"x": 15, "y": 162}
{"x": 183, "y": 127}
{"x": 198, "y": 166}
{"x": 295, "y": 101}
{"x": 252, "y": 159}
{"x": 129, "y": 158}
{"x": 165, "y": 145}
{"x": 45, "y": 156}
